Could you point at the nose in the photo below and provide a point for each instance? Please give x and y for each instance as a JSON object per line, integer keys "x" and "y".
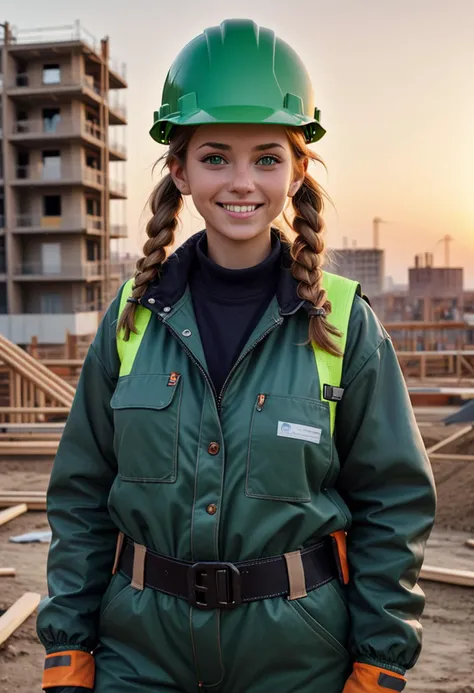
{"x": 242, "y": 182}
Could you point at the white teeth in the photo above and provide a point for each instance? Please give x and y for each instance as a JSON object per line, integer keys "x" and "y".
{"x": 240, "y": 208}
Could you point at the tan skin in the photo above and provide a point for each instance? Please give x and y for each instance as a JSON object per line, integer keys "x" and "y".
{"x": 238, "y": 165}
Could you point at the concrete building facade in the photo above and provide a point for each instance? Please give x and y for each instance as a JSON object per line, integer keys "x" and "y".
{"x": 435, "y": 293}
{"x": 61, "y": 110}
{"x": 365, "y": 265}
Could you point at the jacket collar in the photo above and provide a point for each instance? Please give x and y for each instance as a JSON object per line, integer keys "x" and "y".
{"x": 172, "y": 283}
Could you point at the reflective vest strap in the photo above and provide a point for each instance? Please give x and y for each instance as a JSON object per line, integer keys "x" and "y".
{"x": 341, "y": 292}
{"x": 128, "y": 350}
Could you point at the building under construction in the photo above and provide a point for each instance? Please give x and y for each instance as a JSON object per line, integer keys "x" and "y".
{"x": 62, "y": 119}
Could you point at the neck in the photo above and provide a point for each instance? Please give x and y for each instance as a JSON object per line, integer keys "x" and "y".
{"x": 236, "y": 254}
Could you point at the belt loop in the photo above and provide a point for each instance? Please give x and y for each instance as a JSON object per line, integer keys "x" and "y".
{"x": 118, "y": 551}
{"x": 138, "y": 575}
{"x": 296, "y": 579}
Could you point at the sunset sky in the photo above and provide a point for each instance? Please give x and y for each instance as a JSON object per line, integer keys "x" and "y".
{"x": 394, "y": 80}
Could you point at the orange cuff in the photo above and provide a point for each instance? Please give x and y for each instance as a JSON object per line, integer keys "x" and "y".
{"x": 69, "y": 668}
{"x": 366, "y": 678}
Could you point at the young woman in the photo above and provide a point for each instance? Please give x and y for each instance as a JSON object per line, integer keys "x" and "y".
{"x": 205, "y": 482}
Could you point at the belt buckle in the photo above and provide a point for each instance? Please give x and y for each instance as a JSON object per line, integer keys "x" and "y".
{"x": 213, "y": 585}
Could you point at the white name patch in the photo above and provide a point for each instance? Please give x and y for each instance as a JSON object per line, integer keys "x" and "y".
{"x": 292, "y": 430}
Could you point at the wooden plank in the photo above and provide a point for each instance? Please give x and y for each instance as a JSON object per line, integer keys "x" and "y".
{"x": 17, "y": 614}
{"x": 442, "y": 443}
{"x": 35, "y": 410}
{"x": 11, "y": 513}
{"x": 30, "y": 436}
{"x": 28, "y": 447}
{"x": 446, "y": 457}
{"x": 75, "y": 363}
{"x": 31, "y": 503}
{"x": 7, "y": 572}
{"x": 53, "y": 425}
{"x": 22, "y": 494}
{"x": 464, "y": 578}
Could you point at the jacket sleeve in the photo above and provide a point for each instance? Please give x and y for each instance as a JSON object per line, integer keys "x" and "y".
{"x": 387, "y": 484}
{"x": 83, "y": 542}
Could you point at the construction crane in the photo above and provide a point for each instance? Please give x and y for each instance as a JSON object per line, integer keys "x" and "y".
{"x": 376, "y": 221}
{"x": 447, "y": 240}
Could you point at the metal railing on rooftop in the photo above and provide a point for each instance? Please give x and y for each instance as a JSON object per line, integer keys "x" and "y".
{"x": 60, "y": 34}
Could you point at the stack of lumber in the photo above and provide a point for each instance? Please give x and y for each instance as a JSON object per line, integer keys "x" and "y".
{"x": 33, "y": 500}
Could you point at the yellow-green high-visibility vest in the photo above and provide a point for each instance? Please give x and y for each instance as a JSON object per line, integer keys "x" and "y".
{"x": 341, "y": 292}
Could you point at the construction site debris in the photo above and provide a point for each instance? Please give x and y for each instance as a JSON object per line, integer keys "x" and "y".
{"x": 17, "y": 614}
{"x": 32, "y": 538}
{"x": 11, "y": 513}
{"x": 464, "y": 578}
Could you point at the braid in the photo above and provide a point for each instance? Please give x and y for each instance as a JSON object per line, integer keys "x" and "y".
{"x": 166, "y": 202}
{"x": 307, "y": 252}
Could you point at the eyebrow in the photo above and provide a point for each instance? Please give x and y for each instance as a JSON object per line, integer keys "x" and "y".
{"x": 226, "y": 147}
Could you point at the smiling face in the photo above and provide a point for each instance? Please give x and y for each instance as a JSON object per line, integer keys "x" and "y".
{"x": 239, "y": 177}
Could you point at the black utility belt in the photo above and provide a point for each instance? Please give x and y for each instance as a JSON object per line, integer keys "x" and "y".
{"x": 218, "y": 585}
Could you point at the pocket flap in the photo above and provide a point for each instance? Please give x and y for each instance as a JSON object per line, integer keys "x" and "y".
{"x": 151, "y": 391}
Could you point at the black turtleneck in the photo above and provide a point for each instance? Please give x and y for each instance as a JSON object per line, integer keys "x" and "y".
{"x": 228, "y": 304}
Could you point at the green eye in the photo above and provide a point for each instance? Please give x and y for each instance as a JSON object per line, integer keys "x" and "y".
{"x": 268, "y": 160}
{"x": 214, "y": 159}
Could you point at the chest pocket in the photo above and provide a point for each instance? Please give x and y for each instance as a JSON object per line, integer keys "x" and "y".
{"x": 289, "y": 449}
{"x": 146, "y": 419}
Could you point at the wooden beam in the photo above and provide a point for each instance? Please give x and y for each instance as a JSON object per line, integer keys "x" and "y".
{"x": 17, "y": 614}
{"x": 75, "y": 363}
{"x": 7, "y": 572}
{"x": 442, "y": 443}
{"x": 464, "y": 578}
{"x": 22, "y": 494}
{"x": 31, "y": 503}
{"x": 28, "y": 447}
{"x": 446, "y": 457}
{"x": 11, "y": 513}
{"x": 35, "y": 410}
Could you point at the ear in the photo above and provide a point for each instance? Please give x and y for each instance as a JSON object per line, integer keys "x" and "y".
{"x": 180, "y": 179}
{"x": 298, "y": 181}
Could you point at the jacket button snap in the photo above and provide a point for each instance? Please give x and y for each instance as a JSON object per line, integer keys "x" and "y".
{"x": 211, "y": 509}
{"x": 186, "y": 333}
{"x": 213, "y": 448}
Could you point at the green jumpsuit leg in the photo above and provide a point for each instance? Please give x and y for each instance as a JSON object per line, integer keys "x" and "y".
{"x": 292, "y": 646}
{"x": 145, "y": 642}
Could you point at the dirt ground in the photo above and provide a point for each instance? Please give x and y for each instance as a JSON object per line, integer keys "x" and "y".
{"x": 447, "y": 661}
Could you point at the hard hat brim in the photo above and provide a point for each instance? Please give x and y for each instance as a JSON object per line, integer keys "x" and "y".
{"x": 257, "y": 115}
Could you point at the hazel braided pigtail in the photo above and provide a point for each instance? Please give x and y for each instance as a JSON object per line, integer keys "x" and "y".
{"x": 166, "y": 202}
{"x": 307, "y": 252}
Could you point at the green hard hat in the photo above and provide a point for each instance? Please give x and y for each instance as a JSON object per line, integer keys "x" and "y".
{"x": 237, "y": 72}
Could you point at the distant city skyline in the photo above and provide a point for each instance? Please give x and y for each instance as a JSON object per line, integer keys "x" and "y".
{"x": 395, "y": 85}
